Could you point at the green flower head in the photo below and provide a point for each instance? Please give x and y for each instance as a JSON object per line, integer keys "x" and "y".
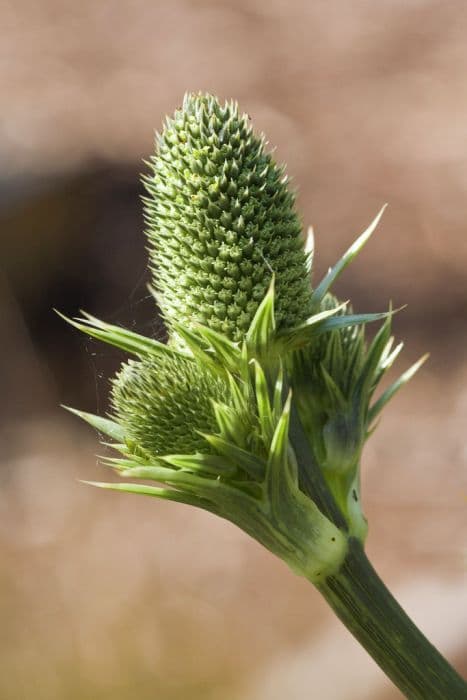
{"x": 220, "y": 220}
{"x": 164, "y": 403}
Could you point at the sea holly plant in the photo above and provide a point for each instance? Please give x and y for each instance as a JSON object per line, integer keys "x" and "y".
{"x": 258, "y": 407}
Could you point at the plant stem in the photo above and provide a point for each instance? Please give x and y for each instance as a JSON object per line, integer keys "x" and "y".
{"x": 366, "y": 607}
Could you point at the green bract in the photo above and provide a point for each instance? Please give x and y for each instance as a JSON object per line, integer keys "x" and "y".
{"x": 258, "y": 408}
{"x": 220, "y": 219}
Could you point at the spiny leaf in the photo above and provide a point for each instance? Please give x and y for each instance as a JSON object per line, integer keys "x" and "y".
{"x": 238, "y": 397}
{"x": 227, "y": 352}
{"x": 333, "y": 390}
{"x": 157, "y": 491}
{"x": 309, "y": 249}
{"x": 247, "y": 461}
{"x": 348, "y": 256}
{"x": 230, "y": 424}
{"x": 278, "y": 394}
{"x": 102, "y": 425}
{"x": 121, "y": 337}
{"x": 300, "y": 337}
{"x": 262, "y": 328}
{"x": 366, "y": 380}
{"x": 211, "y": 464}
{"x": 263, "y": 403}
{"x": 198, "y": 346}
{"x": 377, "y": 407}
{"x": 277, "y": 474}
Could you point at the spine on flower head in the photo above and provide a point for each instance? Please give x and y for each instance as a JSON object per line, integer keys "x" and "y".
{"x": 220, "y": 220}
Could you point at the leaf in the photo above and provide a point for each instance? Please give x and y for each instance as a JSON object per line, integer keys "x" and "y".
{"x": 338, "y": 400}
{"x": 211, "y": 464}
{"x": 321, "y": 316}
{"x": 121, "y": 338}
{"x": 365, "y": 383}
{"x": 263, "y": 325}
{"x": 120, "y": 463}
{"x": 377, "y": 407}
{"x": 277, "y": 472}
{"x": 229, "y": 422}
{"x": 157, "y": 491}
{"x": 227, "y": 352}
{"x": 295, "y": 338}
{"x": 247, "y": 461}
{"x": 388, "y": 358}
{"x": 277, "y": 401}
{"x": 263, "y": 403}
{"x": 198, "y": 347}
{"x": 309, "y": 249}
{"x": 238, "y": 399}
{"x": 348, "y": 256}
{"x": 102, "y": 425}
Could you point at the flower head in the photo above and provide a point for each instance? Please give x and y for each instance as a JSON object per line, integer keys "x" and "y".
{"x": 164, "y": 403}
{"x": 221, "y": 220}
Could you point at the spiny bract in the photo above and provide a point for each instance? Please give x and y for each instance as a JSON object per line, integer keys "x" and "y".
{"x": 163, "y": 403}
{"x": 220, "y": 219}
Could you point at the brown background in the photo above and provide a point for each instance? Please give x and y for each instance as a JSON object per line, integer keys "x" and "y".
{"x": 105, "y": 596}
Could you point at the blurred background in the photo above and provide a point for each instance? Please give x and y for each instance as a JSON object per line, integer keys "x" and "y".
{"x": 110, "y": 596}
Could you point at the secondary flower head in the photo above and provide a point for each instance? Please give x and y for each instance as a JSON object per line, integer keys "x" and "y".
{"x": 164, "y": 403}
{"x": 220, "y": 220}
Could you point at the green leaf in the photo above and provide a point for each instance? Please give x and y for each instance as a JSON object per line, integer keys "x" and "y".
{"x": 365, "y": 383}
{"x": 277, "y": 400}
{"x": 178, "y": 478}
{"x": 263, "y": 326}
{"x": 229, "y": 422}
{"x": 211, "y": 464}
{"x": 263, "y": 403}
{"x": 237, "y": 397}
{"x": 309, "y": 249}
{"x": 121, "y": 337}
{"x": 378, "y": 406}
{"x": 226, "y": 351}
{"x": 199, "y": 347}
{"x": 333, "y": 390}
{"x": 297, "y": 338}
{"x": 157, "y": 491}
{"x": 319, "y": 317}
{"x": 102, "y": 425}
{"x": 247, "y": 461}
{"x": 277, "y": 473}
{"x": 347, "y": 258}
{"x": 388, "y": 358}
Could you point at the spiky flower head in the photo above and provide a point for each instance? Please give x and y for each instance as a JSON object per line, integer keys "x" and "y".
{"x": 165, "y": 403}
{"x": 220, "y": 220}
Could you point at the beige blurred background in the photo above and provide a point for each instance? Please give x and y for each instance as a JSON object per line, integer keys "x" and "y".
{"x": 111, "y": 596}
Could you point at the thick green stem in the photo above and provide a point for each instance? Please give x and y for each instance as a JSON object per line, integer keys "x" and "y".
{"x": 373, "y": 616}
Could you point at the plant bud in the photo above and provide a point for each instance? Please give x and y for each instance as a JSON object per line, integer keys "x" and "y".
{"x": 161, "y": 404}
{"x": 220, "y": 216}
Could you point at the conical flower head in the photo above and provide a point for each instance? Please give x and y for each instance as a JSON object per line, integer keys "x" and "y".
{"x": 220, "y": 221}
{"x": 163, "y": 403}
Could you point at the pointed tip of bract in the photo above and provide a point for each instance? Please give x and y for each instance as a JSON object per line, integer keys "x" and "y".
{"x": 99, "y": 484}
{"x": 334, "y": 272}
